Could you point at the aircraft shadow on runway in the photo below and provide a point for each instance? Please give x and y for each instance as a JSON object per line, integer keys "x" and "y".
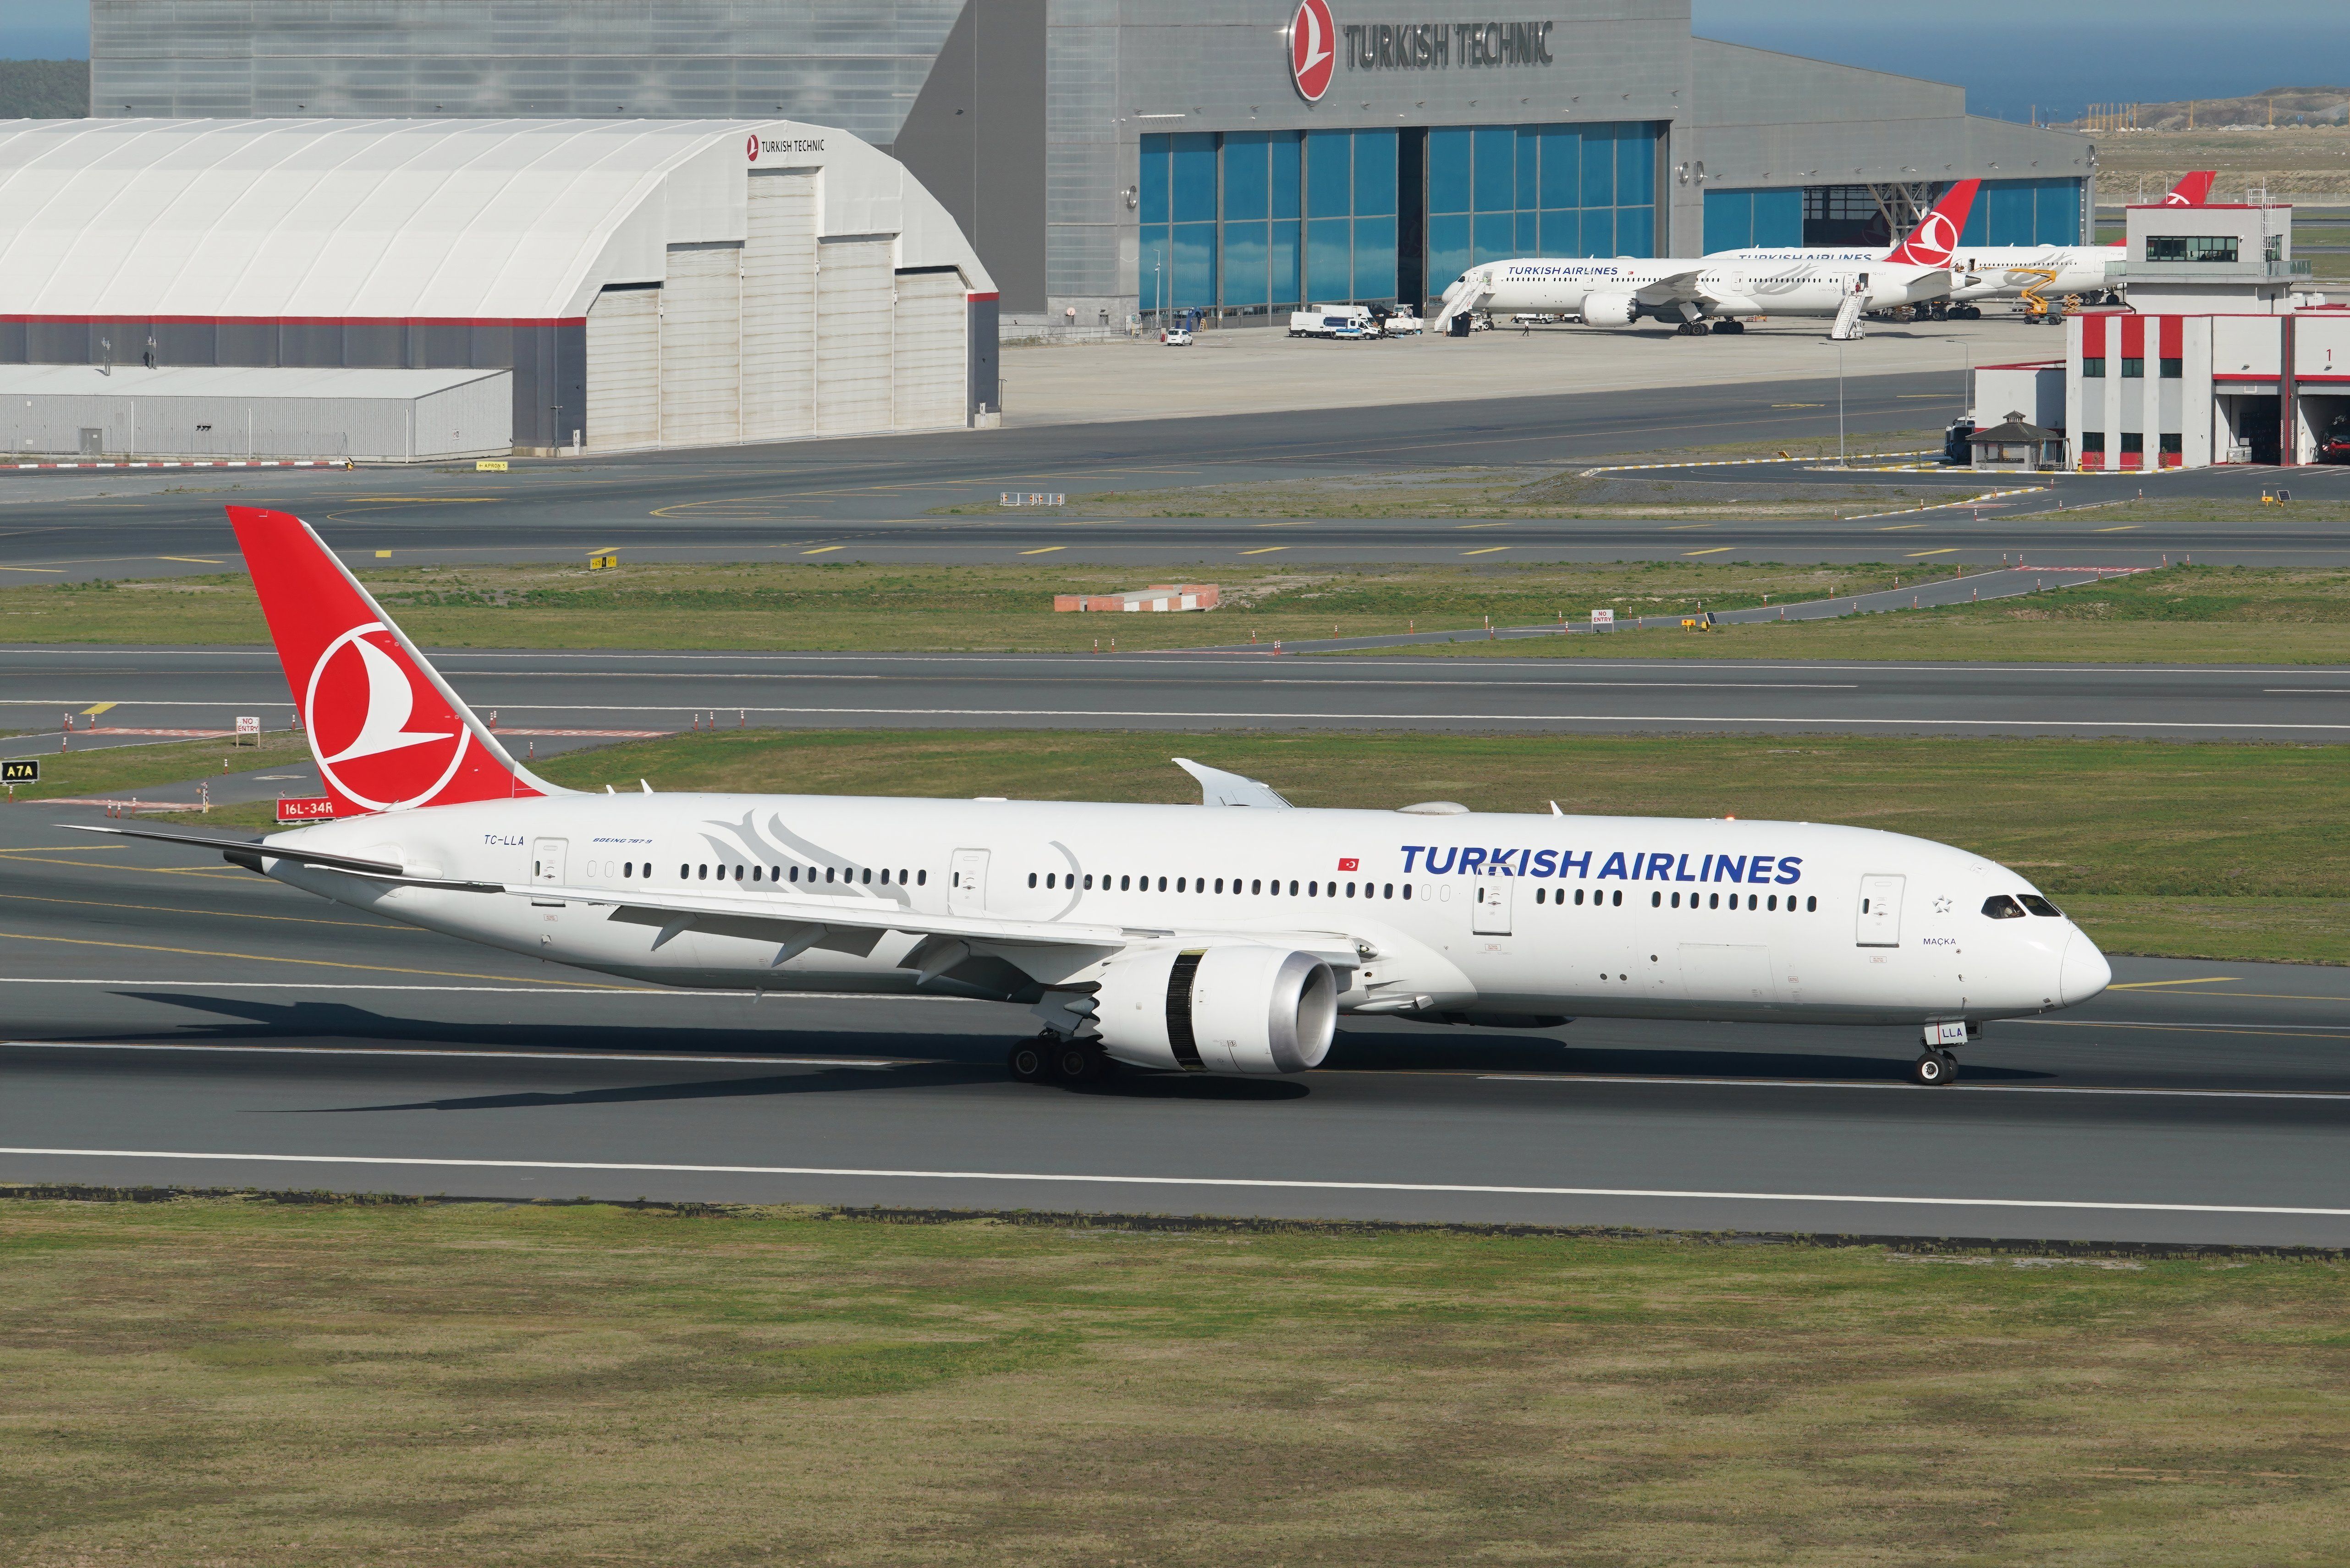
{"x": 1396, "y": 1052}
{"x": 940, "y": 1059}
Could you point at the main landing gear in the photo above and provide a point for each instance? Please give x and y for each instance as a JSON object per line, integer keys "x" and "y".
{"x": 1049, "y": 1059}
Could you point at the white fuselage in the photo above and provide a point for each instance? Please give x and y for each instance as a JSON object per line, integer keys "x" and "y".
{"x": 1982, "y": 271}
{"x": 1797, "y": 286}
{"x": 1621, "y": 915}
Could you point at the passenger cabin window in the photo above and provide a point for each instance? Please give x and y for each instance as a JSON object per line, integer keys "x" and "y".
{"x": 2000, "y": 907}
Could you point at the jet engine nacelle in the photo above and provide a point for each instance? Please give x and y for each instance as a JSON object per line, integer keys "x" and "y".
{"x": 1613, "y": 309}
{"x": 1235, "y": 1008}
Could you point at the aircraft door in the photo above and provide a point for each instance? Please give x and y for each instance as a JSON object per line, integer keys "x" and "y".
{"x": 1491, "y": 905}
{"x": 1880, "y": 912}
{"x": 547, "y": 860}
{"x": 967, "y": 883}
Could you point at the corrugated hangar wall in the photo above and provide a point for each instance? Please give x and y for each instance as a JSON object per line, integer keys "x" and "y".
{"x": 783, "y": 334}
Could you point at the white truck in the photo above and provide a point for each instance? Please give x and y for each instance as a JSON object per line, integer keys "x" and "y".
{"x": 1332, "y": 321}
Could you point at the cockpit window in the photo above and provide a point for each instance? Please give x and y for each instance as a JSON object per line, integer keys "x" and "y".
{"x": 2040, "y": 906}
{"x": 2000, "y": 907}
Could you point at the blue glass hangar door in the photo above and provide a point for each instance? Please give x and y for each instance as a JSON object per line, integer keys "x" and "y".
{"x": 1492, "y": 192}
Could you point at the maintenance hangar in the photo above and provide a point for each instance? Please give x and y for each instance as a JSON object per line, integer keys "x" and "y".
{"x": 640, "y": 283}
{"x": 1241, "y": 157}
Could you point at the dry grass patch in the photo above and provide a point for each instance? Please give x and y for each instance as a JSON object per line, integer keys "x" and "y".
{"x": 231, "y": 1383}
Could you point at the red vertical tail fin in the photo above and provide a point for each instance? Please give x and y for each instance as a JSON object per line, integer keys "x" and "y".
{"x": 1935, "y": 240}
{"x": 386, "y": 729}
{"x": 2193, "y": 190}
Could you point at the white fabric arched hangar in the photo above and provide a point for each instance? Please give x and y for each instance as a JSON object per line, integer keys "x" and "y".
{"x": 649, "y": 283}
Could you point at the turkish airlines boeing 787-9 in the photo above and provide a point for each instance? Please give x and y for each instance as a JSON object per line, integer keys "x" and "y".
{"x": 1224, "y": 937}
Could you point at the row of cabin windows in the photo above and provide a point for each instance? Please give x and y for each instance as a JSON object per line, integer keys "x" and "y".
{"x": 2133, "y": 369}
{"x": 1657, "y": 900}
{"x": 631, "y": 869}
{"x": 1258, "y": 886}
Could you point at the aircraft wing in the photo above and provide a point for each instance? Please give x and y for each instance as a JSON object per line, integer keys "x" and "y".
{"x": 1680, "y": 288}
{"x": 249, "y": 853}
{"x": 796, "y": 924}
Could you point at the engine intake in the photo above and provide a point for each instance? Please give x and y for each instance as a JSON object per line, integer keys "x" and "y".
{"x": 1230, "y": 1009}
{"x": 1609, "y": 308}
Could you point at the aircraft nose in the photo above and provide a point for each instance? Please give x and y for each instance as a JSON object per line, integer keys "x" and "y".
{"x": 2083, "y": 973}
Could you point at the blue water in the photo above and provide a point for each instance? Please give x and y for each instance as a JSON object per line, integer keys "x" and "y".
{"x": 2059, "y": 54}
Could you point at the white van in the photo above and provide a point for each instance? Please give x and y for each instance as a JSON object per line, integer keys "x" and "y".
{"x": 1331, "y": 321}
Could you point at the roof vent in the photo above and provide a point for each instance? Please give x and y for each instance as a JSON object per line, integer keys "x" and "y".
{"x": 1435, "y": 808}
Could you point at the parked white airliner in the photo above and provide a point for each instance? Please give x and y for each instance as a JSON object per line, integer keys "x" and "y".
{"x": 1223, "y": 937}
{"x": 1699, "y": 298}
{"x": 2001, "y": 272}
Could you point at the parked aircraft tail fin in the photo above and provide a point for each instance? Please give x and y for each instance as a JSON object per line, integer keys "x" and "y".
{"x": 2194, "y": 189}
{"x": 1935, "y": 240}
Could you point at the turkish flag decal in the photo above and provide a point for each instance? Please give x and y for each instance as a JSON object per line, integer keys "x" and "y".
{"x": 1350, "y": 864}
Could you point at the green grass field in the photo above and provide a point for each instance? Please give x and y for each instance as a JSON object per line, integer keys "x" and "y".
{"x": 236, "y": 1383}
{"x": 2198, "y": 614}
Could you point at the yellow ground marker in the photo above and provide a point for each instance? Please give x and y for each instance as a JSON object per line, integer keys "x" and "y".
{"x": 193, "y": 560}
{"x": 383, "y": 554}
{"x": 1504, "y": 523}
{"x": 2150, "y": 984}
{"x": 2118, "y": 528}
{"x": 96, "y": 708}
{"x": 1900, "y": 527}
{"x": 1046, "y": 551}
{"x": 57, "y": 571}
{"x": 1488, "y": 550}
{"x": 824, "y": 549}
{"x": 1945, "y": 550}
{"x": 1264, "y": 549}
{"x": 1293, "y": 522}
{"x": 1799, "y": 405}
{"x": 1716, "y": 550}
{"x": 1684, "y": 527}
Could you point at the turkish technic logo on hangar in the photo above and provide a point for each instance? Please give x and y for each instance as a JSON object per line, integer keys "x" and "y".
{"x": 1313, "y": 49}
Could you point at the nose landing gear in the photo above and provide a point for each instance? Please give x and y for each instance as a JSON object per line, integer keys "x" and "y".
{"x": 1934, "y": 1069}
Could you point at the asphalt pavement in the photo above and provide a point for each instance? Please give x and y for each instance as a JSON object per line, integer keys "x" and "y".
{"x": 875, "y": 498}
{"x": 174, "y": 1022}
{"x": 550, "y": 701}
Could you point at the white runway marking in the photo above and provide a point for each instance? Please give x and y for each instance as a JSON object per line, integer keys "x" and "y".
{"x": 1218, "y": 1181}
{"x": 486, "y": 1055}
{"x": 1374, "y": 715}
{"x": 1937, "y": 1089}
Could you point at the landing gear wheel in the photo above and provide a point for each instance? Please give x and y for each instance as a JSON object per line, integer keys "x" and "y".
{"x": 1075, "y": 1063}
{"x": 1934, "y": 1069}
{"x": 1028, "y": 1061}
{"x": 1733, "y": 327}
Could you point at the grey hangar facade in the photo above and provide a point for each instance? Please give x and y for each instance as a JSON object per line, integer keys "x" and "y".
{"x": 1107, "y": 157}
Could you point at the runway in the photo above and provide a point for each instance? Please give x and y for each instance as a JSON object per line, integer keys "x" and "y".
{"x": 535, "y": 693}
{"x": 176, "y": 1021}
{"x": 873, "y": 499}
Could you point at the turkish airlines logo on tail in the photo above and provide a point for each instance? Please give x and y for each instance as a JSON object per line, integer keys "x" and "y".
{"x": 1935, "y": 240}
{"x": 1313, "y": 49}
{"x": 1934, "y": 243}
{"x": 361, "y": 700}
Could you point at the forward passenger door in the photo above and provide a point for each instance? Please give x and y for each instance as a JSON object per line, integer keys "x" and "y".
{"x": 1880, "y": 912}
{"x": 1491, "y": 905}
